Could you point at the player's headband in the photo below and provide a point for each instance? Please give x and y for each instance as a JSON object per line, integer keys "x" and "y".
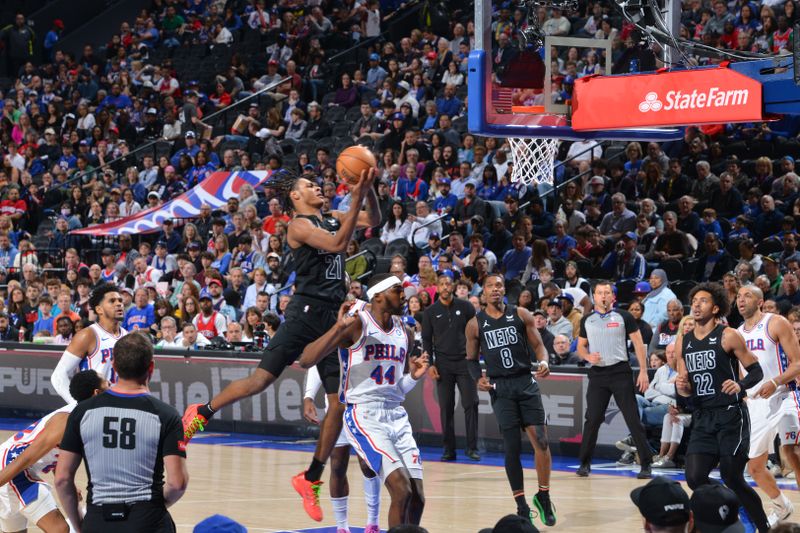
{"x": 381, "y": 286}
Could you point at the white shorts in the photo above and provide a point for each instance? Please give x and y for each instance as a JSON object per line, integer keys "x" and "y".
{"x": 778, "y": 415}
{"x": 342, "y": 439}
{"x": 382, "y": 437}
{"x": 23, "y": 502}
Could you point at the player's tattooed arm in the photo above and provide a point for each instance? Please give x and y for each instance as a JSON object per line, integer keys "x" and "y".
{"x": 343, "y": 334}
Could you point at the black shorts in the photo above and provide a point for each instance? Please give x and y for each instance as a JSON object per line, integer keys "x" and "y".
{"x": 517, "y": 402}
{"x": 720, "y": 431}
{"x": 307, "y": 319}
{"x": 143, "y": 516}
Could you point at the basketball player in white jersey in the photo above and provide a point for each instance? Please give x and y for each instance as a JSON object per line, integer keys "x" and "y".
{"x": 340, "y": 458}
{"x": 373, "y": 354}
{"x": 25, "y": 499}
{"x": 92, "y": 348}
{"x": 774, "y": 403}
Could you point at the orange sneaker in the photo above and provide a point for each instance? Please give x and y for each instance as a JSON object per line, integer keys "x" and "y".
{"x": 193, "y": 422}
{"x": 309, "y": 491}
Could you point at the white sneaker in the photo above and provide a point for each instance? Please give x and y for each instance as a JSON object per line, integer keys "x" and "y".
{"x": 664, "y": 462}
{"x": 784, "y": 511}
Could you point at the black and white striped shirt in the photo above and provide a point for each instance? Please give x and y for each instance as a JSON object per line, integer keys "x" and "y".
{"x": 607, "y": 334}
{"x": 123, "y": 439}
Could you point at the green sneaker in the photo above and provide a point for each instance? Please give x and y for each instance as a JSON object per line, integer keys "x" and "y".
{"x": 528, "y": 514}
{"x": 546, "y": 509}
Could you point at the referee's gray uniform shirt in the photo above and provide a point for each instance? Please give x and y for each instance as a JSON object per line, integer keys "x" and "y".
{"x": 608, "y": 335}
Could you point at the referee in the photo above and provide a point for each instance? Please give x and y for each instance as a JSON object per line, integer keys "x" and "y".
{"x": 605, "y": 332}
{"x": 443, "y": 326}
{"x": 127, "y": 439}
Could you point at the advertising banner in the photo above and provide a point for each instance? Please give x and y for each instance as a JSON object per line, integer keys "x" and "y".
{"x": 26, "y": 390}
{"x": 716, "y": 95}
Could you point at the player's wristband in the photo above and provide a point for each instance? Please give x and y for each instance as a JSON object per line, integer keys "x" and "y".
{"x": 206, "y": 410}
{"x": 407, "y": 383}
{"x": 544, "y": 363}
{"x": 775, "y": 383}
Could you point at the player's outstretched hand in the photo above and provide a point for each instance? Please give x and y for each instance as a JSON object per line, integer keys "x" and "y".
{"x": 310, "y": 411}
{"x": 484, "y": 384}
{"x": 346, "y": 318}
{"x": 731, "y": 387}
{"x": 360, "y": 189}
{"x": 420, "y": 365}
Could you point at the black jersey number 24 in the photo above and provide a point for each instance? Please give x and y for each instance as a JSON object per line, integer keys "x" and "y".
{"x": 119, "y": 433}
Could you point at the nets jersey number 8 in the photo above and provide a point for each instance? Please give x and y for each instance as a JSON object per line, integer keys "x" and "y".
{"x": 506, "y": 358}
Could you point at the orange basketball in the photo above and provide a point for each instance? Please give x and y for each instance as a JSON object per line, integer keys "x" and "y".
{"x": 352, "y": 161}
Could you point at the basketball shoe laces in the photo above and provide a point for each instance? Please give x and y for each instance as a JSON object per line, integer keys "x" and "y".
{"x": 193, "y": 422}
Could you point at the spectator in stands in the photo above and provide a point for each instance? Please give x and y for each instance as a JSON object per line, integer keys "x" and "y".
{"x": 790, "y": 288}
{"x": 655, "y": 303}
{"x": 688, "y": 220}
{"x": 557, "y": 323}
{"x": 768, "y": 222}
{"x": 714, "y": 261}
{"x": 625, "y": 263}
{"x": 422, "y": 224}
{"x": 142, "y": 315}
{"x": 515, "y": 260}
{"x": 727, "y": 200}
{"x": 619, "y": 221}
{"x": 562, "y": 355}
{"x": 672, "y": 244}
{"x": 667, "y": 330}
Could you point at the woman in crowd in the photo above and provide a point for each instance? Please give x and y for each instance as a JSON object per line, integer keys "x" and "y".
{"x": 415, "y": 308}
{"x": 129, "y": 206}
{"x": 397, "y": 226}
{"x": 190, "y": 235}
{"x": 252, "y": 319}
{"x": 355, "y": 266}
{"x": 189, "y": 307}
{"x": 222, "y": 257}
{"x": 636, "y": 309}
{"x": 539, "y": 258}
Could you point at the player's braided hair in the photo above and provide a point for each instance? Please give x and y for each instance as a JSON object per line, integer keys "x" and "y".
{"x": 283, "y": 182}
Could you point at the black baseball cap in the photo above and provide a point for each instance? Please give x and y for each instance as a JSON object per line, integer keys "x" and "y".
{"x": 662, "y": 502}
{"x": 514, "y": 524}
{"x": 716, "y": 509}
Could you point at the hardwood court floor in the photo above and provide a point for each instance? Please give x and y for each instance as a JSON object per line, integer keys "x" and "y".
{"x": 247, "y": 478}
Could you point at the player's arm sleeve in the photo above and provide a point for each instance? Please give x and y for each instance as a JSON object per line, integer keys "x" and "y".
{"x": 172, "y": 442}
{"x": 72, "y": 441}
{"x": 66, "y": 368}
{"x": 313, "y": 383}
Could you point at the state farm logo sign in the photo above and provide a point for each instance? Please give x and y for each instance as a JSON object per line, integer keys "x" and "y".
{"x": 714, "y": 97}
{"x": 651, "y": 103}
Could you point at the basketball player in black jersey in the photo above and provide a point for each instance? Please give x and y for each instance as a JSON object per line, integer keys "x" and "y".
{"x": 318, "y": 242}
{"x": 507, "y": 337}
{"x": 708, "y": 371}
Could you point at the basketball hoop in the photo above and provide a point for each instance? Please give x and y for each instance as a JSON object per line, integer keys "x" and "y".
{"x": 533, "y": 159}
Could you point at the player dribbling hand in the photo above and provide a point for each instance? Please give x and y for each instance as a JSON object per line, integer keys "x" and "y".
{"x": 419, "y": 365}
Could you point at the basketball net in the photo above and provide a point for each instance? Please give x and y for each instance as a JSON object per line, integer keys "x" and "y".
{"x": 533, "y": 159}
